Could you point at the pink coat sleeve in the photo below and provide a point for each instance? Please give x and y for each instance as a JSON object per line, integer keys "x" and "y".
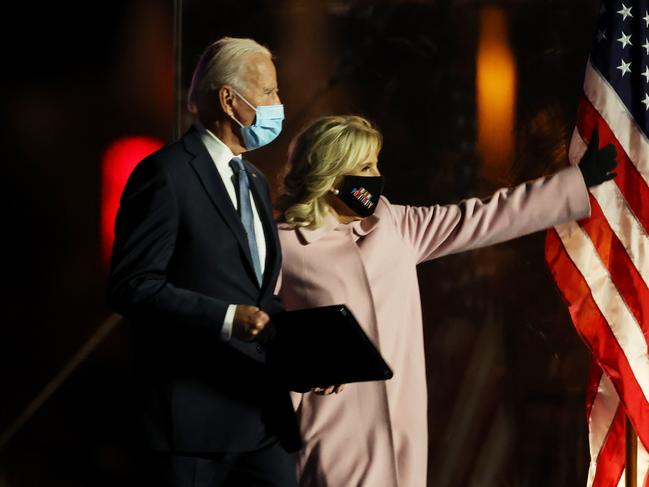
{"x": 437, "y": 230}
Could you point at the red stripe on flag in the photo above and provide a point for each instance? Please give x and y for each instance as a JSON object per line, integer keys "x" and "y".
{"x": 612, "y": 456}
{"x": 595, "y": 331}
{"x": 629, "y": 180}
{"x": 624, "y": 274}
{"x": 594, "y": 377}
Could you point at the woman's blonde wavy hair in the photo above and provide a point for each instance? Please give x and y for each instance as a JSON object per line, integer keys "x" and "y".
{"x": 327, "y": 148}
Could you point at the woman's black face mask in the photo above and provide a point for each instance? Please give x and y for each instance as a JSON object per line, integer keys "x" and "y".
{"x": 361, "y": 193}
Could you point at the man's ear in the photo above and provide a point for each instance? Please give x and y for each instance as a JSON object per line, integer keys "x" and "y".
{"x": 226, "y": 98}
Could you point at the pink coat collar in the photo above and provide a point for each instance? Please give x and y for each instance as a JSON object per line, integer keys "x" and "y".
{"x": 330, "y": 224}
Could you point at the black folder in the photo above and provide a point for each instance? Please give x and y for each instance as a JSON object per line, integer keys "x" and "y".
{"x": 321, "y": 347}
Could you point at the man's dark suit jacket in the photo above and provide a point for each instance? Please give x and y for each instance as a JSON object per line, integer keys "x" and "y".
{"x": 180, "y": 258}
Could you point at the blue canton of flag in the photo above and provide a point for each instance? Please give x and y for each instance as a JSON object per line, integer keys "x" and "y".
{"x": 621, "y": 52}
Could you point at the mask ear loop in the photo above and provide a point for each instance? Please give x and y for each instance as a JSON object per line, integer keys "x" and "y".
{"x": 246, "y": 102}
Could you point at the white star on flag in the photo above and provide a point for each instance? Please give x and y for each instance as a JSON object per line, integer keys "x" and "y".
{"x": 601, "y": 35}
{"x": 625, "y": 68}
{"x": 646, "y": 74}
{"x": 646, "y": 45}
{"x": 625, "y": 12}
{"x": 645, "y": 102}
{"x": 625, "y": 40}
{"x": 646, "y": 18}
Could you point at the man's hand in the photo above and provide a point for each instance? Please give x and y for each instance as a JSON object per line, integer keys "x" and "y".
{"x": 325, "y": 391}
{"x": 596, "y": 164}
{"x": 248, "y": 322}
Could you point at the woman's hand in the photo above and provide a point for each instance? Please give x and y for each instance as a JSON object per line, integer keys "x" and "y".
{"x": 325, "y": 391}
{"x": 596, "y": 164}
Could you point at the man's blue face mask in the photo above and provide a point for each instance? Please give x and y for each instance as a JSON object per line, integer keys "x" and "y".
{"x": 266, "y": 127}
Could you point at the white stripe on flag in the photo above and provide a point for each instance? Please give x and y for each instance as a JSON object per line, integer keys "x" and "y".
{"x": 601, "y": 417}
{"x": 614, "y": 112}
{"x": 577, "y": 147}
{"x": 626, "y": 226}
{"x": 622, "y": 323}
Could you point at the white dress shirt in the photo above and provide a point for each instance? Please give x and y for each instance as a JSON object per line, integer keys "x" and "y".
{"x": 221, "y": 155}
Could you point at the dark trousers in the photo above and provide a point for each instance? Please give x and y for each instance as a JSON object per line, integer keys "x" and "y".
{"x": 270, "y": 466}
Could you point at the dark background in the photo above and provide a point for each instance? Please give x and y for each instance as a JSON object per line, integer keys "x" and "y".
{"x": 506, "y": 369}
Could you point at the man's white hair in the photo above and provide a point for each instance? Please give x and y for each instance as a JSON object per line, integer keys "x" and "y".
{"x": 221, "y": 64}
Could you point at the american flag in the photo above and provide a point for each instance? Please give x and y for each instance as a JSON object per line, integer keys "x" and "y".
{"x": 601, "y": 264}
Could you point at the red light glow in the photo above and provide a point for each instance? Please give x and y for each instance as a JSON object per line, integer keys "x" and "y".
{"x": 117, "y": 164}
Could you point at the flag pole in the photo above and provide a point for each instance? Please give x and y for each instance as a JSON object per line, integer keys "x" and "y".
{"x": 631, "y": 468}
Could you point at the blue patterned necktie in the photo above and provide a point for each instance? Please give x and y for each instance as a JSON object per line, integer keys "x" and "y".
{"x": 245, "y": 212}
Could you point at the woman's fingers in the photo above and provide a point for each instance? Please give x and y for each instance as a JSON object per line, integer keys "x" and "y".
{"x": 325, "y": 391}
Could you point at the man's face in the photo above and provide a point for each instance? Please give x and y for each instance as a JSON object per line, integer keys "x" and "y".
{"x": 259, "y": 88}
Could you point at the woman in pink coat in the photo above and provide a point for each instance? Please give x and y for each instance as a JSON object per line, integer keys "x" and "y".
{"x": 344, "y": 243}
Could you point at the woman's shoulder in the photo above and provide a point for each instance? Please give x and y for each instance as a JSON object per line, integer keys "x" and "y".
{"x": 284, "y": 228}
{"x": 288, "y": 232}
{"x": 384, "y": 203}
{"x": 282, "y": 224}
{"x": 385, "y": 209}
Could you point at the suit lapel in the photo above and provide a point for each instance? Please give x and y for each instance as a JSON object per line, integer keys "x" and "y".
{"x": 259, "y": 193}
{"x": 213, "y": 185}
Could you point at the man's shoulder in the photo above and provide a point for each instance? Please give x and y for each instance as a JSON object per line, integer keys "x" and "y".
{"x": 172, "y": 152}
{"x": 168, "y": 159}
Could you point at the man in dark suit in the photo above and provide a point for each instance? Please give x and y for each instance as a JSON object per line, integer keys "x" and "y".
{"x": 194, "y": 267}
